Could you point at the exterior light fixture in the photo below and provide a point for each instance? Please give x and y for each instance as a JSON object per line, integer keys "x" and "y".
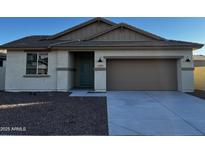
{"x": 100, "y": 60}
{"x": 188, "y": 60}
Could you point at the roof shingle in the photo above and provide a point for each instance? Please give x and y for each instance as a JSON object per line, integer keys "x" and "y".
{"x": 47, "y": 42}
{"x": 42, "y": 42}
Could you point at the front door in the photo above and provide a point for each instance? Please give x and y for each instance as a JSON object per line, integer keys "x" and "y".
{"x": 87, "y": 70}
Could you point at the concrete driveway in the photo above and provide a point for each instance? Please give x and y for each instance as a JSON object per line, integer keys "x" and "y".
{"x": 152, "y": 112}
{"x": 155, "y": 113}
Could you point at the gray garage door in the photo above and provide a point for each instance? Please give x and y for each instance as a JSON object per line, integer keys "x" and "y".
{"x": 141, "y": 74}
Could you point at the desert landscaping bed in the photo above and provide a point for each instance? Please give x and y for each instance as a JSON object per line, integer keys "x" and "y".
{"x": 52, "y": 113}
{"x": 198, "y": 93}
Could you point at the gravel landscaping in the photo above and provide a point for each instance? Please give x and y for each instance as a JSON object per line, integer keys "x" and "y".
{"x": 198, "y": 93}
{"x": 52, "y": 113}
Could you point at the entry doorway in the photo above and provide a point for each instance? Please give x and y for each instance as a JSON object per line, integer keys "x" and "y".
{"x": 84, "y": 70}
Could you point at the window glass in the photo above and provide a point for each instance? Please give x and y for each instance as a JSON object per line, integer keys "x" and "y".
{"x": 31, "y": 63}
{"x": 42, "y": 63}
{"x": 37, "y": 63}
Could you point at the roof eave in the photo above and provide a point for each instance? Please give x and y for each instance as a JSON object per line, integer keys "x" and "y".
{"x": 120, "y": 47}
{"x": 24, "y": 48}
{"x": 192, "y": 46}
{"x": 198, "y": 46}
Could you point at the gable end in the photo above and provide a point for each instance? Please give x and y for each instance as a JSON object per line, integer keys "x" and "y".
{"x": 124, "y": 32}
{"x": 84, "y": 30}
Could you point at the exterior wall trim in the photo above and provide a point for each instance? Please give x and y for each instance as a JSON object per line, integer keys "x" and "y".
{"x": 100, "y": 69}
{"x": 187, "y": 69}
{"x": 143, "y": 57}
{"x": 80, "y": 48}
{"x": 35, "y": 76}
{"x": 65, "y": 69}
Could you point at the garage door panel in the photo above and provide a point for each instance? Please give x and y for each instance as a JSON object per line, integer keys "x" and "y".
{"x": 141, "y": 74}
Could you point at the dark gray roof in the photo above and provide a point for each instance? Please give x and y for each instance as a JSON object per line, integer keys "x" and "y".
{"x": 167, "y": 43}
{"x": 41, "y": 42}
{"x": 29, "y": 42}
{"x": 48, "y": 42}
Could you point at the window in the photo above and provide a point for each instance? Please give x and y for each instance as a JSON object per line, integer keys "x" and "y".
{"x": 37, "y": 63}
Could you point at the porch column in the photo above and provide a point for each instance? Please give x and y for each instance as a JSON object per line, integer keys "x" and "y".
{"x": 186, "y": 74}
{"x": 100, "y": 73}
{"x": 62, "y": 70}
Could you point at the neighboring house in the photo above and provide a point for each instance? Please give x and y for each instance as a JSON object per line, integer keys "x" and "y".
{"x": 102, "y": 55}
{"x": 199, "y": 72}
{"x": 2, "y": 70}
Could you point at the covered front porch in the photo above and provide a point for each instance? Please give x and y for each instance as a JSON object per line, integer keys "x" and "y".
{"x": 75, "y": 70}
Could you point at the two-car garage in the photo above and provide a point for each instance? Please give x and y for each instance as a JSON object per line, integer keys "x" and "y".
{"x": 141, "y": 74}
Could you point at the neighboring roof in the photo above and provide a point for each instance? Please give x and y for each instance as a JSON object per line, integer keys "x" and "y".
{"x": 47, "y": 42}
{"x": 140, "y": 31}
{"x": 82, "y": 25}
{"x": 199, "y": 57}
{"x": 199, "y": 60}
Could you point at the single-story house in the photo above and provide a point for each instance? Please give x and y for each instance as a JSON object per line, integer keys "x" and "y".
{"x": 101, "y": 55}
{"x": 199, "y": 72}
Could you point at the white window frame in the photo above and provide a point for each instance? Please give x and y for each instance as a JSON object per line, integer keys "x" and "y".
{"x": 33, "y": 52}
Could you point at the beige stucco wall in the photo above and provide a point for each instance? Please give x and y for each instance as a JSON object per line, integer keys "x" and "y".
{"x": 184, "y": 69}
{"x": 60, "y": 77}
{"x": 61, "y": 74}
{"x": 16, "y": 69}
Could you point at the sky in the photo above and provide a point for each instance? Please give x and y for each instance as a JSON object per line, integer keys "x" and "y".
{"x": 184, "y": 29}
